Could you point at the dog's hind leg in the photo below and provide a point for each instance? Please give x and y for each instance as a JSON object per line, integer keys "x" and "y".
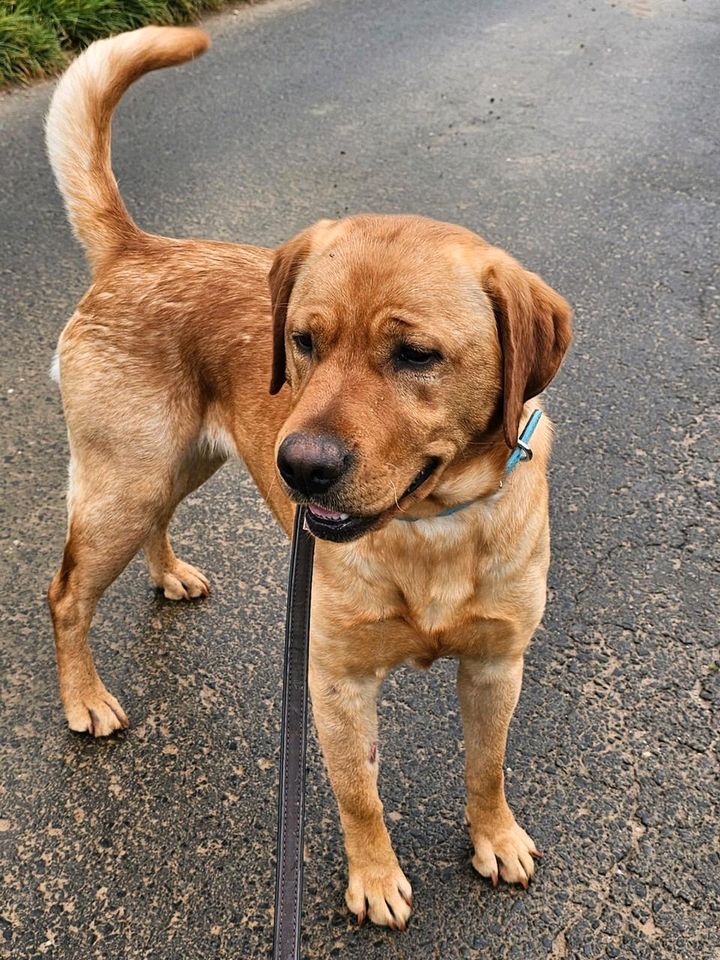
{"x": 110, "y": 515}
{"x": 179, "y": 580}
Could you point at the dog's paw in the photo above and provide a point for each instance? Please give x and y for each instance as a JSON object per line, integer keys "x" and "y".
{"x": 504, "y": 850}
{"x": 181, "y": 581}
{"x": 95, "y": 711}
{"x": 380, "y": 892}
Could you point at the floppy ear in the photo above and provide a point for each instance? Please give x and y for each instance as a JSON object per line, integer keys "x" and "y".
{"x": 289, "y": 258}
{"x": 534, "y": 325}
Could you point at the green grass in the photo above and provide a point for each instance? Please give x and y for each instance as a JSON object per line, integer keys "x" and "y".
{"x": 38, "y": 37}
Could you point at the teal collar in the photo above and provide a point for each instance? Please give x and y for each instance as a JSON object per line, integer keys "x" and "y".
{"x": 521, "y": 452}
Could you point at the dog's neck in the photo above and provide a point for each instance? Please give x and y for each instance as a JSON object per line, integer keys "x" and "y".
{"x": 478, "y": 475}
{"x": 475, "y": 476}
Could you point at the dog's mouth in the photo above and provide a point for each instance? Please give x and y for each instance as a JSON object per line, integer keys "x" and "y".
{"x": 326, "y": 524}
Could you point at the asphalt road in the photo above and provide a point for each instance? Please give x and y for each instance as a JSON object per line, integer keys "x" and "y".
{"x": 584, "y": 138}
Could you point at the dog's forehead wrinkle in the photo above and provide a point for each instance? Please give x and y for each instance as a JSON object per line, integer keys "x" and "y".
{"x": 386, "y": 273}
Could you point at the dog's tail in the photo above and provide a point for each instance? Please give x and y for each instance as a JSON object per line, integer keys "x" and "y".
{"x": 78, "y": 128}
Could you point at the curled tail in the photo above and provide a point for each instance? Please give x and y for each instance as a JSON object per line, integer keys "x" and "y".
{"x": 78, "y": 128}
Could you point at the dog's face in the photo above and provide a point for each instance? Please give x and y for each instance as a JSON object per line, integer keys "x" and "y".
{"x": 403, "y": 341}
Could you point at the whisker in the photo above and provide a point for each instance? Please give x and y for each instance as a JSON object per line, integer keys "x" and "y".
{"x": 481, "y": 443}
{"x": 395, "y": 496}
{"x": 272, "y": 485}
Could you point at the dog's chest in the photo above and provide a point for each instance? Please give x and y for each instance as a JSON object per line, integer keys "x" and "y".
{"x": 393, "y": 599}
{"x": 435, "y": 604}
{"x": 431, "y": 585}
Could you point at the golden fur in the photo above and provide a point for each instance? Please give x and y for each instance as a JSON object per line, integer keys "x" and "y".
{"x": 164, "y": 371}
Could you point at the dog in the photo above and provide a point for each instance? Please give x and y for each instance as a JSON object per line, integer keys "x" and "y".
{"x": 377, "y": 369}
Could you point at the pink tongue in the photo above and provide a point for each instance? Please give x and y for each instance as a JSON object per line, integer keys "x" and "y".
{"x": 322, "y": 512}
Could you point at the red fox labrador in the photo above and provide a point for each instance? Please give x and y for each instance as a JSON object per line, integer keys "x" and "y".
{"x": 401, "y": 355}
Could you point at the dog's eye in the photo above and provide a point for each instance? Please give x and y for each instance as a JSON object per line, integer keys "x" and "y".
{"x": 304, "y": 343}
{"x": 407, "y": 357}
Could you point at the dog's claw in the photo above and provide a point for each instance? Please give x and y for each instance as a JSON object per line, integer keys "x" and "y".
{"x": 181, "y": 581}
{"x": 384, "y": 899}
{"x": 95, "y": 712}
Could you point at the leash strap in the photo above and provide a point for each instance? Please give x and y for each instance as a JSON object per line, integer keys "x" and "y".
{"x": 293, "y": 739}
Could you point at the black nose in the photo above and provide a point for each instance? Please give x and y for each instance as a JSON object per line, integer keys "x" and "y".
{"x": 311, "y": 463}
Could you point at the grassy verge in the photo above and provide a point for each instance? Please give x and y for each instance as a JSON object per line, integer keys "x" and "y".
{"x": 38, "y": 37}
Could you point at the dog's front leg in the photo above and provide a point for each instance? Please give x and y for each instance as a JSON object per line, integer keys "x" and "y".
{"x": 345, "y": 712}
{"x": 489, "y": 691}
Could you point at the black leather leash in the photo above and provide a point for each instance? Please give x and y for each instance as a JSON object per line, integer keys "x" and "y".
{"x": 291, "y": 799}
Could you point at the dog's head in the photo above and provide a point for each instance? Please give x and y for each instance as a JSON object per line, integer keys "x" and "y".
{"x": 403, "y": 341}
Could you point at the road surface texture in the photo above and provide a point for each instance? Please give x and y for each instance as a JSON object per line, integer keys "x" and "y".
{"x": 584, "y": 138}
